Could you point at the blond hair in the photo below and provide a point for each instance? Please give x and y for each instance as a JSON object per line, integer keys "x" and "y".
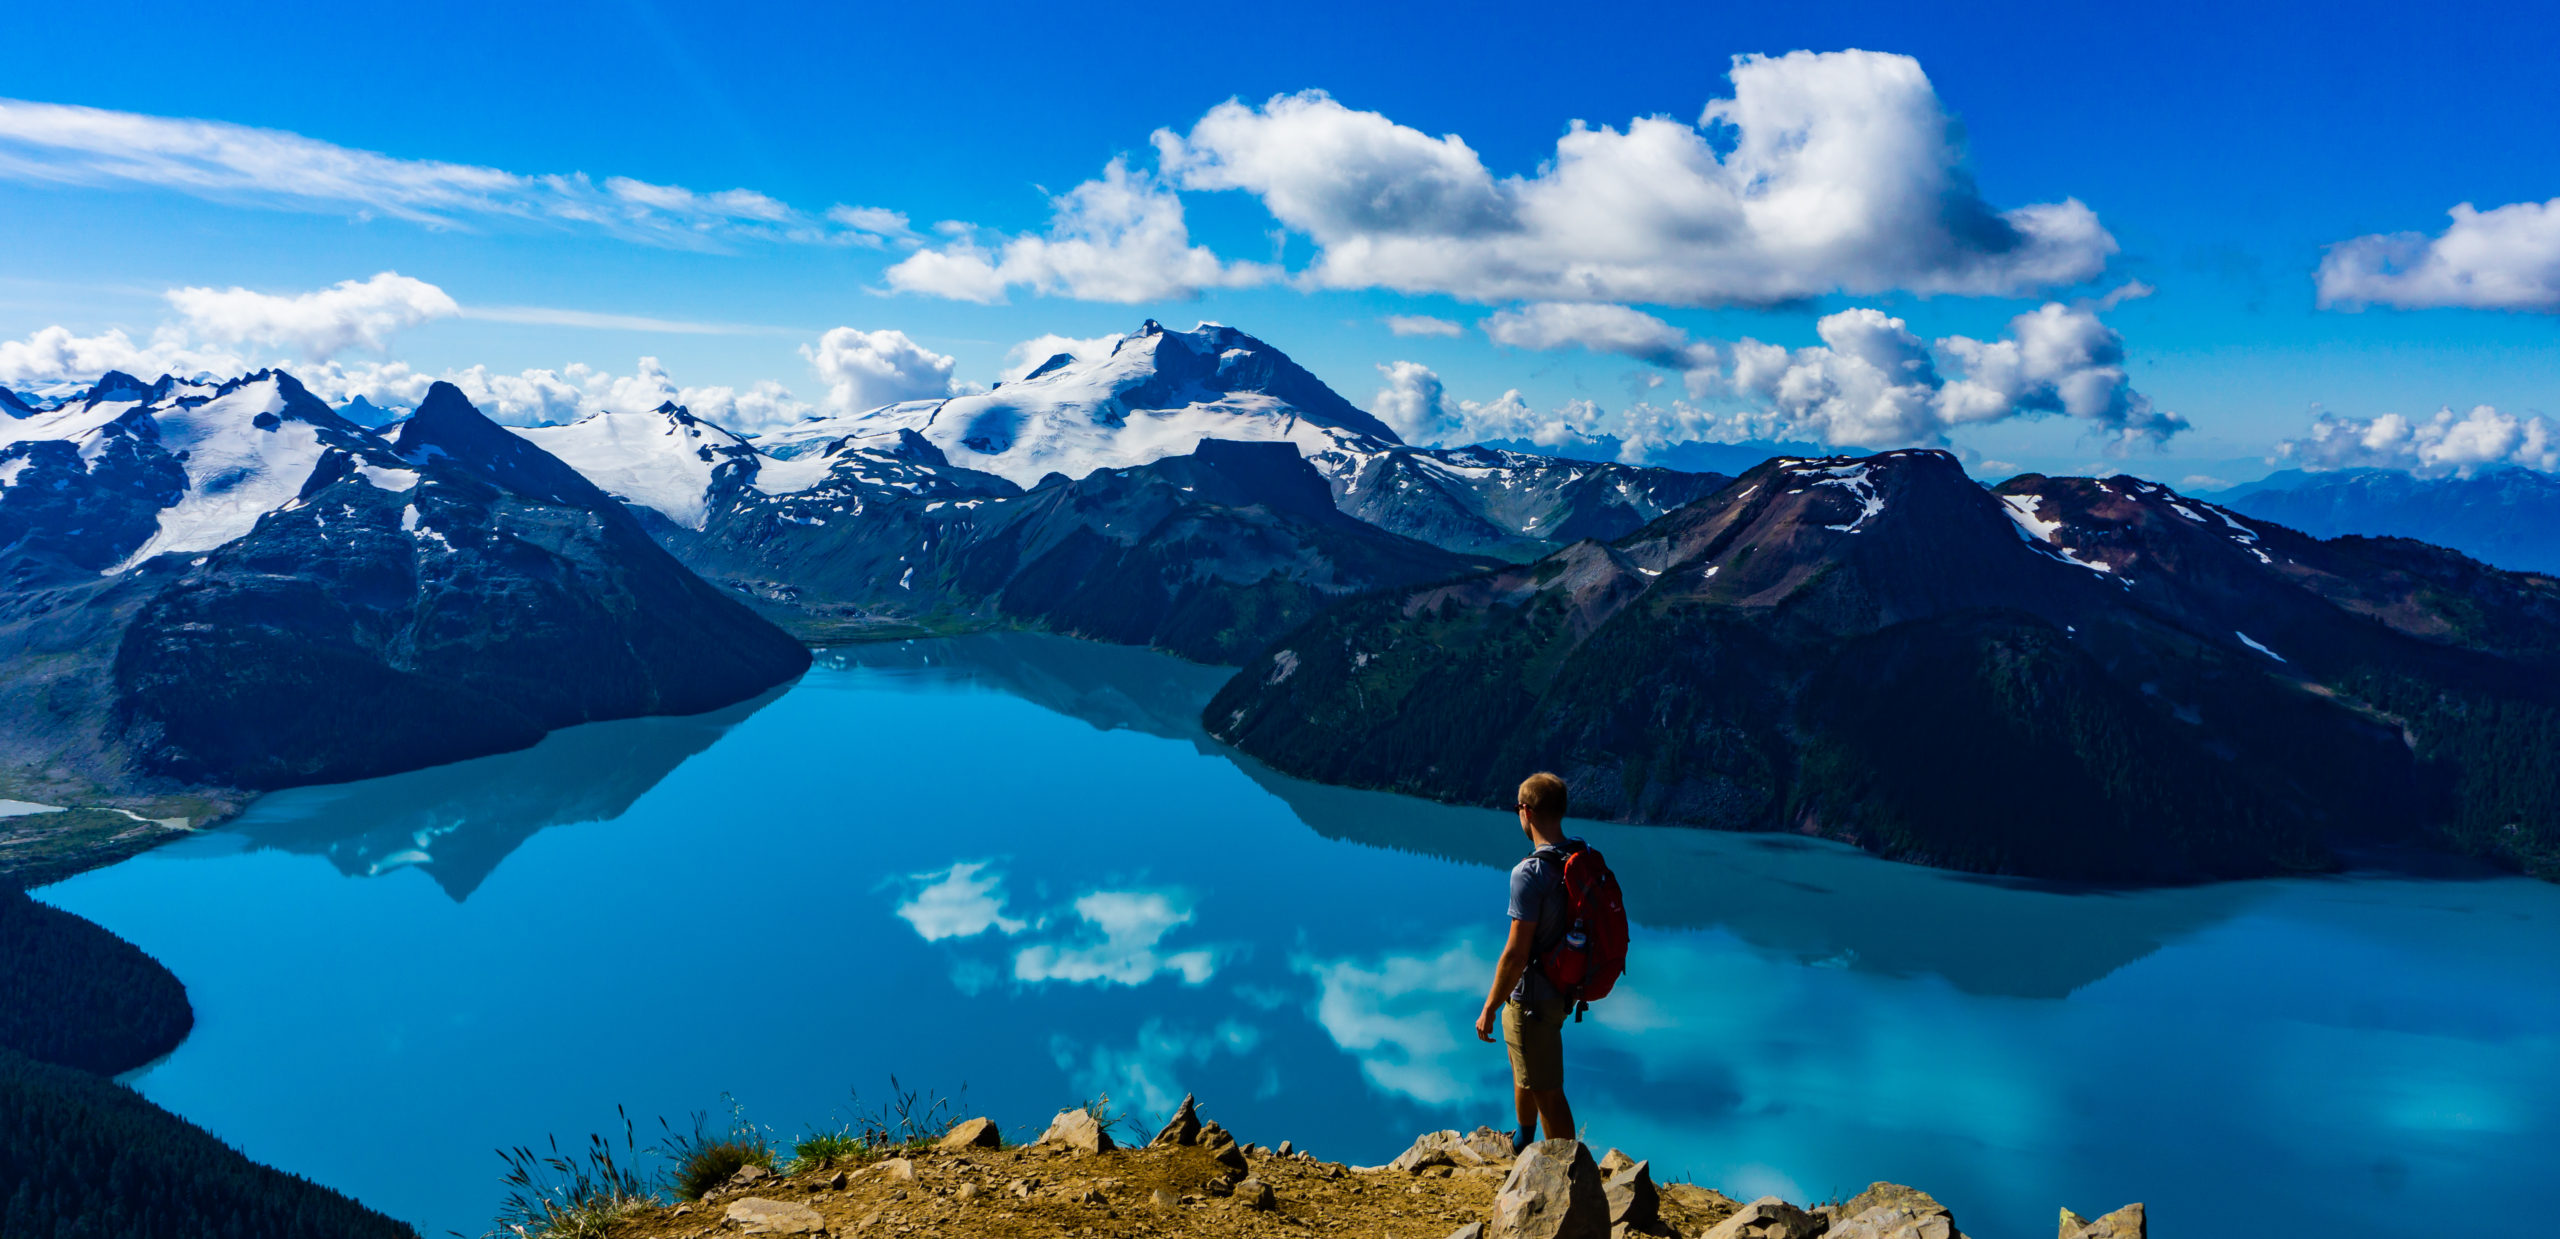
{"x": 1543, "y": 795}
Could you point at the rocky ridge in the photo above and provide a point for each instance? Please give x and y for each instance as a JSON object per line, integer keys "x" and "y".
{"x": 208, "y": 590}
{"x": 2071, "y": 678}
{"x": 1195, "y": 1179}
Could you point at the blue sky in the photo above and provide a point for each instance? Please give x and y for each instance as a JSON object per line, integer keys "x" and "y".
{"x": 2223, "y": 154}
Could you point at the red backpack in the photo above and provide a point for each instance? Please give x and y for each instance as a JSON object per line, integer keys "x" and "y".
{"x": 1588, "y": 961}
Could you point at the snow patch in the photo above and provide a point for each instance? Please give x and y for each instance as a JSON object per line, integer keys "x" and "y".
{"x": 236, "y": 471}
{"x": 2043, "y": 534}
{"x": 1862, "y": 487}
{"x": 396, "y": 481}
{"x": 1283, "y": 665}
{"x": 2251, "y": 642}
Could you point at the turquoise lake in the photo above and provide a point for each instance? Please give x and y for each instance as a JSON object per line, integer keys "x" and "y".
{"x": 1013, "y": 863}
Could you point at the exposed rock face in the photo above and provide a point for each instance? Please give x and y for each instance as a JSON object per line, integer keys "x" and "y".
{"x": 1767, "y": 1218}
{"x": 1077, "y": 1130}
{"x": 1183, "y": 1127}
{"x": 1891, "y": 1223}
{"x": 1892, "y": 1211}
{"x": 972, "y": 1134}
{"x": 2124, "y": 1223}
{"x": 1442, "y": 1148}
{"x": 1553, "y": 1192}
{"x": 756, "y": 1215}
{"x": 1633, "y": 1201}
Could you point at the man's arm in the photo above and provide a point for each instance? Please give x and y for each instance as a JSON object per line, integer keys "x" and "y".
{"x": 1506, "y": 974}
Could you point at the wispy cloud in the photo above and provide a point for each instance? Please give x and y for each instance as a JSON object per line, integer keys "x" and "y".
{"x": 61, "y": 144}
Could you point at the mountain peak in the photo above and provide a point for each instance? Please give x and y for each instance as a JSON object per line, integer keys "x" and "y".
{"x": 1158, "y": 393}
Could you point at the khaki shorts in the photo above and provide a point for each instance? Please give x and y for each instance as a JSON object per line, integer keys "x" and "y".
{"x": 1537, "y": 1044}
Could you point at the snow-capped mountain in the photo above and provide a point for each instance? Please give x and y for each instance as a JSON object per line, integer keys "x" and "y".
{"x": 229, "y": 585}
{"x": 1207, "y": 554}
{"x": 665, "y": 460}
{"x": 2080, "y": 678}
{"x": 1158, "y": 395}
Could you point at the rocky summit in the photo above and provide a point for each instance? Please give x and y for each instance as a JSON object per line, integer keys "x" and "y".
{"x": 1195, "y": 1179}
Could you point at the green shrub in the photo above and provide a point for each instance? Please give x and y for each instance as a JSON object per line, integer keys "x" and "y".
{"x": 820, "y": 1150}
{"x": 704, "y": 1159}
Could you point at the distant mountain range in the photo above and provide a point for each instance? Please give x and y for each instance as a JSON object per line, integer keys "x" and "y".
{"x": 231, "y": 586}
{"x": 221, "y": 587}
{"x": 1194, "y": 491}
{"x": 2065, "y": 678}
{"x": 2508, "y": 517}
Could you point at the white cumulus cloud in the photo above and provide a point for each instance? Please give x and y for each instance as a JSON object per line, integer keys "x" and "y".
{"x": 1872, "y": 382}
{"x": 2445, "y": 443}
{"x": 2505, "y": 258}
{"x": 318, "y": 325}
{"x": 1824, "y": 172}
{"x": 1601, "y": 328}
{"x": 867, "y": 369}
{"x": 1415, "y": 403}
{"x": 1119, "y": 238}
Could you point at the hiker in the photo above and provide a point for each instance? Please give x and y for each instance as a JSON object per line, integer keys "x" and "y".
{"x": 1568, "y": 944}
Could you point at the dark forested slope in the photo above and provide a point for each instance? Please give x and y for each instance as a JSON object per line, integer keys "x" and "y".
{"x": 2069, "y": 678}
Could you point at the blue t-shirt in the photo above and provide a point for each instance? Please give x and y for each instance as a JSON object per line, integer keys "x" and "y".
{"x": 1536, "y": 897}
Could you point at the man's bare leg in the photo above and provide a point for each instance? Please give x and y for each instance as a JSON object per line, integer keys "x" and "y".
{"x": 1553, "y": 1108}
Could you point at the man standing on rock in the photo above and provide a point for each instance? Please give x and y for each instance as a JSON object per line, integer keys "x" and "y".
{"x": 1532, "y": 1012}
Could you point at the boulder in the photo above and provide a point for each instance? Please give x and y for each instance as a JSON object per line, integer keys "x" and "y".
{"x": 1438, "y": 1148}
{"x": 971, "y": 1134}
{"x": 1614, "y": 1161}
{"x": 1893, "y": 1222}
{"x": 1285, "y": 1149}
{"x": 1553, "y": 1192}
{"x": 1892, "y": 1195}
{"x": 1767, "y": 1218}
{"x": 1077, "y": 1130}
{"x": 896, "y": 1170}
{"x": 1226, "y": 1152}
{"x": 1166, "y": 1198}
{"x": 756, "y": 1215}
{"x": 1255, "y": 1194}
{"x": 1183, "y": 1127}
{"x": 1472, "y": 1230}
{"x": 836, "y": 1181}
{"x": 2124, "y": 1223}
{"x": 747, "y": 1176}
{"x": 1632, "y": 1199}
{"x": 1892, "y": 1211}
{"x": 1491, "y": 1145}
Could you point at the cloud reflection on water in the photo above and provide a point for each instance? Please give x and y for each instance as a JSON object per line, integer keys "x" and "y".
{"x": 957, "y": 903}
